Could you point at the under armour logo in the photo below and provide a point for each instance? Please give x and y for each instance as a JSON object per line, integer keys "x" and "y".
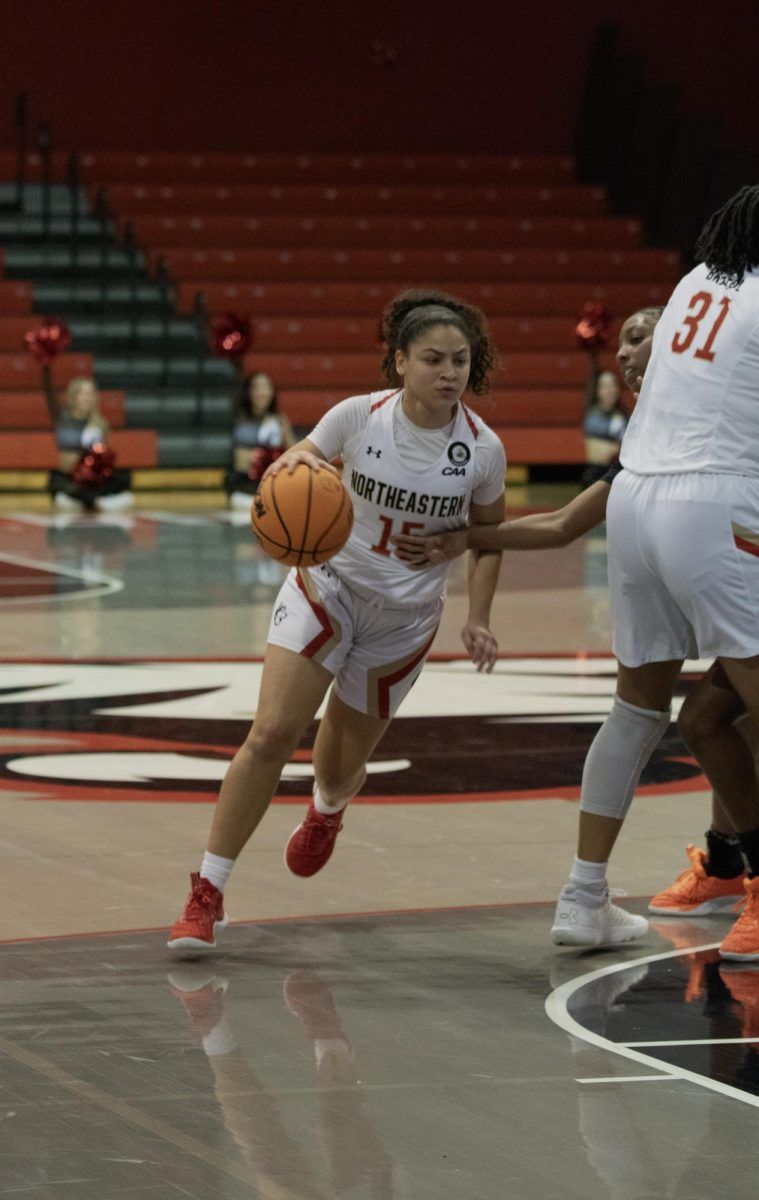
{"x": 569, "y": 915}
{"x": 377, "y": 453}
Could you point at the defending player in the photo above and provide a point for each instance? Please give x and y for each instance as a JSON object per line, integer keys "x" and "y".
{"x": 714, "y": 879}
{"x": 414, "y": 457}
{"x": 683, "y": 551}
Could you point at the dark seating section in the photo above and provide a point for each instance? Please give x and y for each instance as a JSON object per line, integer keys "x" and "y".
{"x": 312, "y": 247}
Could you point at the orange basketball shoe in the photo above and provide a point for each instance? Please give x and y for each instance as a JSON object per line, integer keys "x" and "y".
{"x": 695, "y": 893}
{"x": 742, "y": 942}
{"x": 311, "y": 844}
{"x": 195, "y": 932}
{"x": 743, "y": 984}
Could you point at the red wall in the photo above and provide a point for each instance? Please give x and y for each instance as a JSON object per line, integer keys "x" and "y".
{"x": 236, "y": 74}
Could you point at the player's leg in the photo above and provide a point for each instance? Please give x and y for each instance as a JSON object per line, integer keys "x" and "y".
{"x": 292, "y": 688}
{"x": 621, "y": 749}
{"x": 382, "y": 666}
{"x": 711, "y": 719}
{"x": 307, "y": 641}
{"x": 343, "y": 745}
{"x": 742, "y": 943}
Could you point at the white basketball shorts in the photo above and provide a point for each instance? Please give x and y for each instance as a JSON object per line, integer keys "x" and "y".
{"x": 683, "y": 554}
{"x": 375, "y": 652}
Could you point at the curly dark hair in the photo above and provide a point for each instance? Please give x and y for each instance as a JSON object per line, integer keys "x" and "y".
{"x": 729, "y": 241}
{"x": 411, "y": 313}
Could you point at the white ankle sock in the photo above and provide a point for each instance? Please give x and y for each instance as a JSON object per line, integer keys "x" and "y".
{"x": 216, "y": 869}
{"x": 589, "y": 876}
{"x": 326, "y": 809}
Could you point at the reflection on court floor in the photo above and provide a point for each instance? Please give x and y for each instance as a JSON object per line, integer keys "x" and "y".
{"x": 402, "y": 1054}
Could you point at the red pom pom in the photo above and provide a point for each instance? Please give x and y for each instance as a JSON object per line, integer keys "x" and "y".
{"x": 95, "y": 465}
{"x": 261, "y": 460}
{"x": 48, "y": 339}
{"x": 231, "y": 335}
{"x": 593, "y": 327}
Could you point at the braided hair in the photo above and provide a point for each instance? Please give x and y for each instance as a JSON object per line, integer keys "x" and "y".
{"x": 412, "y": 313}
{"x": 729, "y": 241}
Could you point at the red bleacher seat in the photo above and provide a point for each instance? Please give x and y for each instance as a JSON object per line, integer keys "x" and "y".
{"x": 16, "y": 296}
{"x": 557, "y": 444}
{"x": 20, "y": 372}
{"x": 326, "y": 263}
{"x": 28, "y": 410}
{"x": 505, "y": 199}
{"x": 239, "y": 231}
{"x": 361, "y": 371}
{"x": 513, "y": 407}
{"x": 314, "y": 246}
{"x": 108, "y": 167}
{"x": 328, "y": 168}
{"x": 362, "y": 333}
{"x": 133, "y": 447}
{"x": 521, "y": 300}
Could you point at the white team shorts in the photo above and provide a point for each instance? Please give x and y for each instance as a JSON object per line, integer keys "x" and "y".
{"x": 375, "y": 652}
{"x": 683, "y": 553}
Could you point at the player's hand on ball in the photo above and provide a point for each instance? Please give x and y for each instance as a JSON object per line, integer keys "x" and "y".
{"x": 290, "y": 459}
{"x": 481, "y": 646}
{"x": 420, "y": 552}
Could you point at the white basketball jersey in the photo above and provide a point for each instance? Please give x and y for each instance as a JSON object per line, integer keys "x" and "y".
{"x": 390, "y": 498}
{"x": 698, "y": 409}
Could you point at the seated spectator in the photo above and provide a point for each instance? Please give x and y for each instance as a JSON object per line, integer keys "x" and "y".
{"x": 260, "y": 434}
{"x": 85, "y": 478}
{"x": 605, "y": 423}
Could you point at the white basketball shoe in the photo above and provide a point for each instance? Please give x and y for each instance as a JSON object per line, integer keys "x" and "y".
{"x": 586, "y": 919}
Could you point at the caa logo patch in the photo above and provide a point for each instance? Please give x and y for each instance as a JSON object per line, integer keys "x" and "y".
{"x": 459, "y": 454}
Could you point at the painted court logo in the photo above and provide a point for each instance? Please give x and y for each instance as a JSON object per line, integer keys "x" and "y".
{"x": 167, "y": 731}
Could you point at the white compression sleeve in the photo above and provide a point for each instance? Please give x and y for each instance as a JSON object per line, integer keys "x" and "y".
{"x": 617, "y": 756}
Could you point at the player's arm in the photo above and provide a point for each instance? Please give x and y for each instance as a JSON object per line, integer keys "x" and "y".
{"x": 543, "y": 531}
{"x": 483, "y": 569}
{"x": 539, "y": 531}
{"x": 328, "y": 439}
{"x": 303, "y": 451}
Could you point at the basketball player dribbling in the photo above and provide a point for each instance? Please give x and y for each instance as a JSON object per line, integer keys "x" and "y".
{"x": 361, "y": 625}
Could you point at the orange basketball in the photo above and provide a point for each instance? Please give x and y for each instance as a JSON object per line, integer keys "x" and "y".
{"x": 302, "y": 518}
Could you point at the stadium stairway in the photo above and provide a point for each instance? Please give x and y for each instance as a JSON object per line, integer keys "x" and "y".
{"x": 312, "y": 247}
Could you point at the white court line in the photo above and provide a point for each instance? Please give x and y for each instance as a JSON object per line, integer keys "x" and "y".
{"x": 627, "y": 1079}
{"x": 100, "y": 585}
{"x": 162, "y": 517}
{"x": 557, "y": 1009}
{"x": 697, "y": 1042}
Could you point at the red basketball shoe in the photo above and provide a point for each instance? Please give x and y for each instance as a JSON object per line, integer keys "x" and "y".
{"x": 195, "y": 932}
{"x": 311, "y": 844}
{"x": 310, "y": 999}
{"x": 201, "y": 994}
